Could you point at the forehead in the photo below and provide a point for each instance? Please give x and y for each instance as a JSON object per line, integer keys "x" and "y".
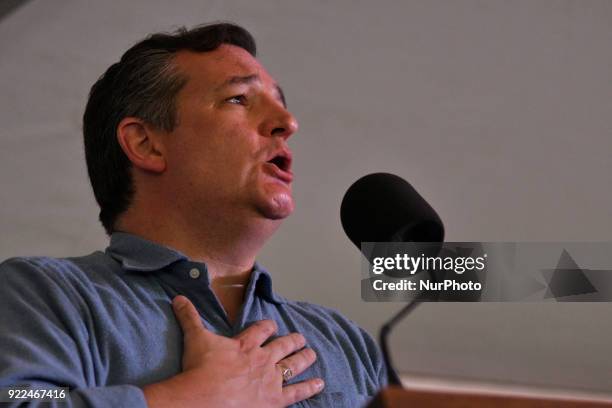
{"x": 211, "y": 69}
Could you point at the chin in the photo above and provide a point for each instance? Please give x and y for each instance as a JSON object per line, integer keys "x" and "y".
{"x": 278, "y": 207}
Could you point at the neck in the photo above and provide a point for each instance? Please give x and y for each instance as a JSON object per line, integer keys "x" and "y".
{"x": 227, "y": 243}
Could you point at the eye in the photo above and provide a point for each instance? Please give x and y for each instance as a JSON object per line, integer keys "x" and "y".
{"x": 237, "y": 99}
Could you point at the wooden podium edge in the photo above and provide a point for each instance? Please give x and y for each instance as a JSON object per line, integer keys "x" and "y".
{"x": 393, "y": 397}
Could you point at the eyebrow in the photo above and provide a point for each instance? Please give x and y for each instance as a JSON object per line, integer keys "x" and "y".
{"x": 249, "y": 79}
{"x": 238, "y": 80}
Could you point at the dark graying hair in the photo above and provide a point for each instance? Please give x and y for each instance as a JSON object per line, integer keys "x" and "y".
{"x": 143, "y": 84}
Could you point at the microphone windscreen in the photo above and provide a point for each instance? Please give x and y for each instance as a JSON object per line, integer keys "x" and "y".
{"x": 383, "y": 207}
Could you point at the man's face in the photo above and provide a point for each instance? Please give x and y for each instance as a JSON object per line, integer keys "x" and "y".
{"x": 228, "y": 152}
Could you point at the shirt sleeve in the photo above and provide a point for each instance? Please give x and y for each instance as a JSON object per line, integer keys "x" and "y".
{"x": 44, "y": 341}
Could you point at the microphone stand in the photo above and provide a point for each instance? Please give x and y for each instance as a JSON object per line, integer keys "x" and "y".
{"x": 385, "y": 331}
{"x": 384, "y": 336}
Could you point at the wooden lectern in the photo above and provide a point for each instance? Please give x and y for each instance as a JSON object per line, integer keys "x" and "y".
{"x": 395, "y": 397}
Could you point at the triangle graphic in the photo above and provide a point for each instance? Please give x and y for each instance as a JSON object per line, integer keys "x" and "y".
{"x": 567, "y": 279}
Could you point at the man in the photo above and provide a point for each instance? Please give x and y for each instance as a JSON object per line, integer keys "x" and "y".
{"x": 186, "y": 146}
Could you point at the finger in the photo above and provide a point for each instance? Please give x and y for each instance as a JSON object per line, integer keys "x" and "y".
{"x": 281, "y": 347}
{"x": 303, "y": 390}
{"x": 299, "y": 361}
{"x": 187, "y": 315}
{"x": 256, "y": 334}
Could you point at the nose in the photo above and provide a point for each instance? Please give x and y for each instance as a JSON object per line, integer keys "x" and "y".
{"x": 280, "y": 122}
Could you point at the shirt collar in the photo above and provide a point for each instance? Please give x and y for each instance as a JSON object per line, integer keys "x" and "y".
{"x": 136, "y": 254}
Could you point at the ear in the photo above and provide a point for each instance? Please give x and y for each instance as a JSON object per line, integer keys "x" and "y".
{"x": 141, "y": 144}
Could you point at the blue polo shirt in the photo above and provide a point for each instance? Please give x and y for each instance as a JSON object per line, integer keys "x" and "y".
{"x": 103, "y": 326}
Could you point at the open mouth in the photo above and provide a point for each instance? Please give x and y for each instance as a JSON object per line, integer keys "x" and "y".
{"x": 281, "y": 166}
{"x": 282, "y": 162}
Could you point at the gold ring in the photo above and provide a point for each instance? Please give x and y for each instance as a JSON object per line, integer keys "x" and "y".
{"x": 285, "y": 372}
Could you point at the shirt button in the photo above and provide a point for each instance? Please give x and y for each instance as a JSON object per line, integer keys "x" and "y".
{"x": 194, "y": 273}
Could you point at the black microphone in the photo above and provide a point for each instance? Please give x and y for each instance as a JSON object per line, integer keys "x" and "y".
{"x": 383, "y": 207}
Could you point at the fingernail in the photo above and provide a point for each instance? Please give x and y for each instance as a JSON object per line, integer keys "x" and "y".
{"x": 320, "y": 384}
{"x": 179, "y": 301}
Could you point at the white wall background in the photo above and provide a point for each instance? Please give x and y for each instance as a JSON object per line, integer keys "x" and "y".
{"x": 498, "y": 112}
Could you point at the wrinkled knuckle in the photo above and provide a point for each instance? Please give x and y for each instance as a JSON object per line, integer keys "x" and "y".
{"x": 270, "y": 326}
{"x": 266, "y": 327}
{"x": 306, "y": 391}
{"x": 307, "y": 360}
{"x": 257, "y": 325}
{"x": 288, "y": 346}
{"x": 298, "y": 340}
{"x": 188, "y": 313}
{"x": 299, "y": 359}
